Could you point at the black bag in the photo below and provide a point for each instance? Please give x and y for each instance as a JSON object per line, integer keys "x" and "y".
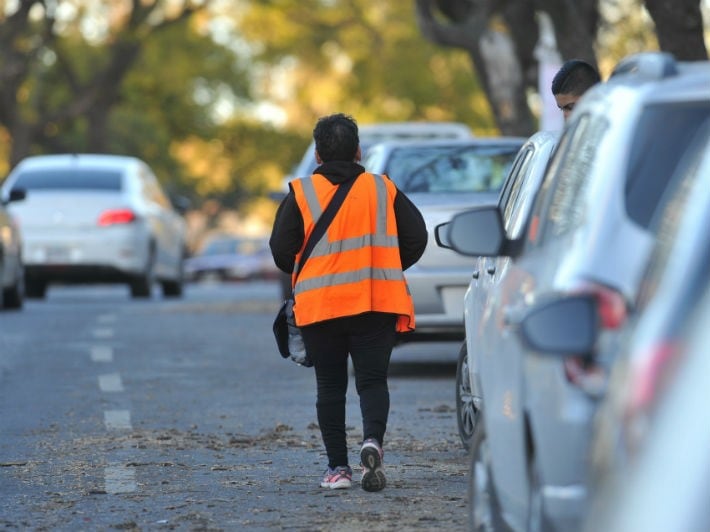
{"x": 287, "y": 334}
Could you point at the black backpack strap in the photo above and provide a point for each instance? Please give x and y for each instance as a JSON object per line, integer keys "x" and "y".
{"x": 324, "y": 220}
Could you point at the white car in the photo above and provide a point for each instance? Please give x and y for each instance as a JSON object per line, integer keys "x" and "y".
{"x": 443, "y": 177}
{"x": 12, "y": 278}
{"x": 96, "y": 219}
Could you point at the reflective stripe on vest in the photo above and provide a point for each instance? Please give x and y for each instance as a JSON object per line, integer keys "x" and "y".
{"x": 370, "y": 276}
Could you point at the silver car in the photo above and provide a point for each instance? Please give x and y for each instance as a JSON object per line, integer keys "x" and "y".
{"x": 515, "y": 204}
{"x": 591, "y": 231}
{"x": 95, "y": 219}
{"x": 443, "y": 177}
{"x": 12, "y": 273}
{"x": 651, "y": 368}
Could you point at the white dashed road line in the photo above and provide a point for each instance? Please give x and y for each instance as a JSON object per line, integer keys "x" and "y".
{"x": 103, "y": 332}
{"x": 119, "y": 479}
{"x": 101, "y": 353}
{"x": 117, "y": 419}
{"x": 110, "y": 382}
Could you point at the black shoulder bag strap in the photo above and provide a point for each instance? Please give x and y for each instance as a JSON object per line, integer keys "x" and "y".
{"x": 324, "y": 221}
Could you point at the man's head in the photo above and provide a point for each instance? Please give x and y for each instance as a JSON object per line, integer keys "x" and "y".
{"x": 571, "y": 81}
{"x": 336, "y": 139}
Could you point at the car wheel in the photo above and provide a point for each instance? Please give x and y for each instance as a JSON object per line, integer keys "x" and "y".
{"x": 35, "y": 289}
{"x": 483, "y": 509}
{"x": 174, "y": 288}
{"x": 468, "y": 400}
{"x": 13, "y": 297}
{"x": 142, "y": 285}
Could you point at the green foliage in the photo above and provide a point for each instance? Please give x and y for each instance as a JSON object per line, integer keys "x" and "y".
{"x": 361, "y": 57}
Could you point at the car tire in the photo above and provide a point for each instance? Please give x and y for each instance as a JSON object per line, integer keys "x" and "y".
{"x": 468, "y": 401}
{"x": 13, "y": 297}
{"x": 483, "y": 509}
{"x": 35, "y": 289}
{"x": 142, "y": 285}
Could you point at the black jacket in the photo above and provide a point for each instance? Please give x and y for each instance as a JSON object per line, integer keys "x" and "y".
{"x": 287, "y": 234}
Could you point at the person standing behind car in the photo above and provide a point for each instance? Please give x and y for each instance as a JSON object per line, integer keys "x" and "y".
{"x": 351, "y": 296}
{"x": 573, "y": 79}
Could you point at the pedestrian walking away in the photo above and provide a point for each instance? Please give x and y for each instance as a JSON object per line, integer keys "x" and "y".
{"x": 573, "y": 79}
{"x": 351, "y": 295}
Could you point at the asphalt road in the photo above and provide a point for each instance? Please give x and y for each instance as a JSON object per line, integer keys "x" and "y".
{"x": 117, "y": 414}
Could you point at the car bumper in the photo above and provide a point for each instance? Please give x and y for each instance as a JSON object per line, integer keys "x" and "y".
{"x": 90, "y": 253}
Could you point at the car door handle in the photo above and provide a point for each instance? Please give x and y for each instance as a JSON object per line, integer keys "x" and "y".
{"x": 491, "y": 270}
{"x": 475, "y": 274}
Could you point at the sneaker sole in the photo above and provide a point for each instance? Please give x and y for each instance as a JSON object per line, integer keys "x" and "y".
{"x": 373, "y": 477}
{"x": 341, "y": 484}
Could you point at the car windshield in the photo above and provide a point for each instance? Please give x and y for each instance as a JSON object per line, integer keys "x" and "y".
{"x": 441, "y": 169}
{"x": 69, "y": 179}
{"x": 233, "y": 246}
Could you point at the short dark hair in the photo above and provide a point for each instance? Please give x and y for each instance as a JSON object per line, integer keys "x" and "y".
{"x": 336, "y": 138}
{"x": 574, "y": 78}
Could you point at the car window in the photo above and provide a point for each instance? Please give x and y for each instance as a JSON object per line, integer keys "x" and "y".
{"x": 676, "y": 211}
{"x": 513, "y": 186}
{"x": 451, "y": 169}
{"x": 661, "y": 138}
{"x": 569, "y": 175}
{"x": 69, "y": 179}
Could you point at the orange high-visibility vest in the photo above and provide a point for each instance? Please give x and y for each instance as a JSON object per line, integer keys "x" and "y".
{"x": 355, "y": 267}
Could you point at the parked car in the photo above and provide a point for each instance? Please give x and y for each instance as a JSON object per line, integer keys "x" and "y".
{"x": 12, "y": 273}
{"x": 232, "y": 258}
{"x": 650, "y": 365}
{"x": 667, "y": 486}
{"x": 515, "y": 204}
{"x": 592, "y": 228}
{"x": 93, "y": 218}
{"x": 370, "y": 134}
{"x": 443, "y": 177}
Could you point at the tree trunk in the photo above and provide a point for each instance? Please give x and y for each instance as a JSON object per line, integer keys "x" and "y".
{"x": 679, "y": 28}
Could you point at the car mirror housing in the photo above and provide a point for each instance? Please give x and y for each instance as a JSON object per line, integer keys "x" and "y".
{"x": 564, "y": 326}
{"x": 476, "y": 232}
{"x": 441, "y": 235}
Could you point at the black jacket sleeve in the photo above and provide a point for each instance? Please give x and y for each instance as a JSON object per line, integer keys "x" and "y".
{"x": 411, "y": 230}
{"x": 287, "y": 234}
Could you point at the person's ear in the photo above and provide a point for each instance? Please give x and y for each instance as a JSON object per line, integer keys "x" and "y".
{"x": 358, "y": 155}
{"x": 318, "y": 159}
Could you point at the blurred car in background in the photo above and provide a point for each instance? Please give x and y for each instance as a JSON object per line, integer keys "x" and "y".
{"x": 443, "y": 177}
{"x": 592, "y": 228}
{"x": 12, "y": 273}
{"x": 232, "y": 258}
{"x": 90, "y": 218}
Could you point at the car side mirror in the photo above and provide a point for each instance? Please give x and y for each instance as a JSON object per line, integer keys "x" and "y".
{"x": 441, "y": 235}
{"x": 181, "y": 204}
{"x": 16, "y": 194}
{"x": 477, "y": 232}
{"x": 563, "y": 326}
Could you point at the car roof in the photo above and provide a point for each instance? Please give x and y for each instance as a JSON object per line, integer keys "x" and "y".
{"x": 473, "y": 141}
{"x": 410, "y": 129}
{"x": 648, "y": 78}
{"x": 78, "y": 160}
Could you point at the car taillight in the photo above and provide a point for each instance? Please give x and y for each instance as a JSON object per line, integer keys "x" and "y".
{"x": 584, "y": 372}
{"x": 649, "y": 376}
{"x": 117, "y": 216}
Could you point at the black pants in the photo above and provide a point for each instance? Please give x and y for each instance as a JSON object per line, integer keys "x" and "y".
{"x": 369, "y": 339}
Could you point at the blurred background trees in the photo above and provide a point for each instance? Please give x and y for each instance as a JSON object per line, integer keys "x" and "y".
{"x": 220, "y": 96}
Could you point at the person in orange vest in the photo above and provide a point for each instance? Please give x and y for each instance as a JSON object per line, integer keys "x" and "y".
{"x": 351, "y": 295}
{"x": 572, "y": 80}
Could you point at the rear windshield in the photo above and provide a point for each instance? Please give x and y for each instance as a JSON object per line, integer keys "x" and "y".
{"x": 69, "y": 179}
{"x": 437, "y": 169}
